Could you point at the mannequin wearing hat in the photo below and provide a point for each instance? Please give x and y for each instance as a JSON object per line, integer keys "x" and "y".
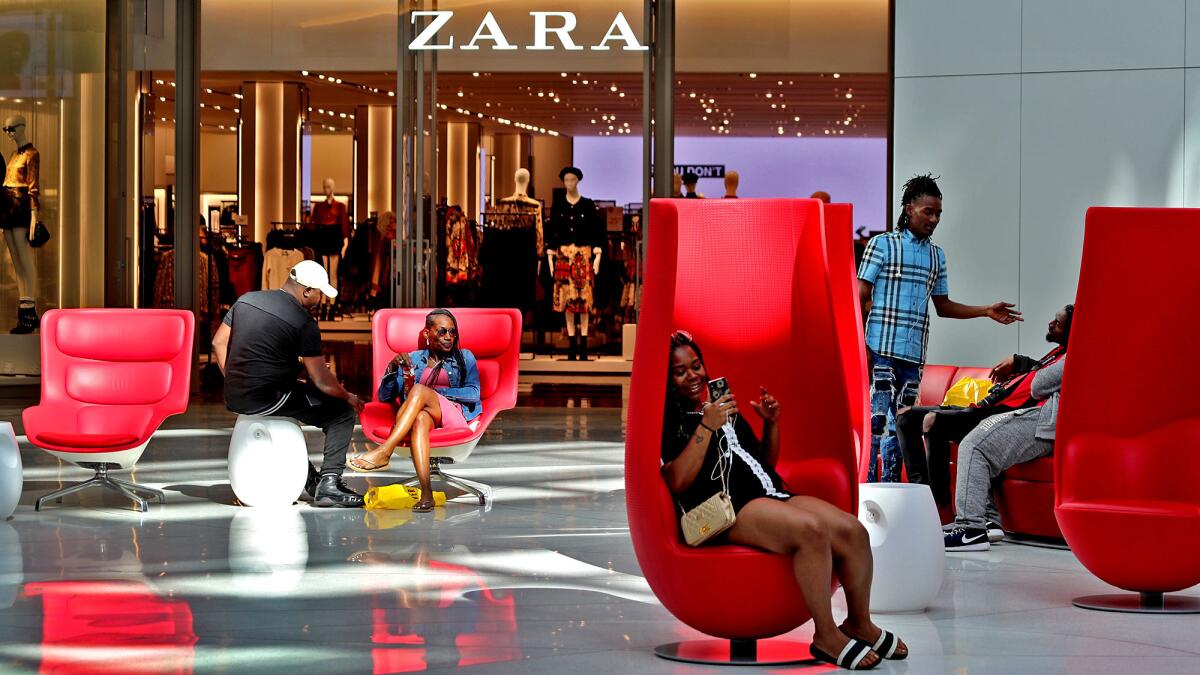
{"x": 573, "y": 248}
{"x": 689, "y": 185}
{"x": 18, "y": 214}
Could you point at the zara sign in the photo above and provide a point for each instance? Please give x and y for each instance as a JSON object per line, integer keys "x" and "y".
{"x": 489, "y": 31}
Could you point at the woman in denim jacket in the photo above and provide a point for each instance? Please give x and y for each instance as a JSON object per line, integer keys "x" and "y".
{"x": 438, "y": 388}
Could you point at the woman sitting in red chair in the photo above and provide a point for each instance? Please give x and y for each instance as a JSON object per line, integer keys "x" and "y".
{"x": 822, "y": 539}
{"x": 439, "y": 389}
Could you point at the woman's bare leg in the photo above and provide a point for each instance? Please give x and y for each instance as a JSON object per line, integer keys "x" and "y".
{"x": 420, "y": 456}
{"x": 420, "y": 399}
{"x": 852, "y": 562}
{"x": 794, "y": 530}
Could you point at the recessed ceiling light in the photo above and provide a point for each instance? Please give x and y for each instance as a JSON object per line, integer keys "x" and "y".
{"x": 753, "y": 75}
{"x": 836, "y": 75}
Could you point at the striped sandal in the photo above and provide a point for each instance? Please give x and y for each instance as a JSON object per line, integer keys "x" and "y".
{"x": 885, "y": 646}
{"x": 851, "y": 657}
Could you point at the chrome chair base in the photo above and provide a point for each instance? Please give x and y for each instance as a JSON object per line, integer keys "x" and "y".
{"x": 481, "y": 491}
{"x": 102, "y": 480}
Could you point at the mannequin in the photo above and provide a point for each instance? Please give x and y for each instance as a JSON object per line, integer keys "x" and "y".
{"x": 574, "y": 253}
{"x": 333, "y": 234}
{"x": 18, "y": 215}
{"x": 676, "y": 185}
{"x": 731, "y": 184}
{"x": 689, "y": 185}
{"x": 521, "y": 196}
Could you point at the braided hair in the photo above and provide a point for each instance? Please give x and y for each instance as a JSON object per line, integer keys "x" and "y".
{"x": 917, "y": 186}
{"x": 455, "y": 352}
{"x": 1069, "y": 310}
{"x": 675, "y": 412}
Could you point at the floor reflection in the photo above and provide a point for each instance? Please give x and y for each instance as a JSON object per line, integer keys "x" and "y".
{"x": 112, "y": 627}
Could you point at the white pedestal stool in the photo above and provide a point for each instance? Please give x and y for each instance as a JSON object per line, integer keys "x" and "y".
{"x": 268, "y": 460}
{"x": 11, "y": 476}
{"x": 906, "y": 542}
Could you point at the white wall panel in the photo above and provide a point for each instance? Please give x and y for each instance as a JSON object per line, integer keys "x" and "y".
{"x": 1102, "y": 34}
{"x": 1192, "y": 30}
{"x": 937, "y": 130}
{"x": 1089, "y": 139}
{"x": 957, "y": 37}
{"x": 1191, "y": 140}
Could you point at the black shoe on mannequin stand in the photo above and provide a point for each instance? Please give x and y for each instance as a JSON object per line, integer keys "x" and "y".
{"x": 583, "y": 352}
{"x": 572, "y": 347}
{"x": 27, "y": 319}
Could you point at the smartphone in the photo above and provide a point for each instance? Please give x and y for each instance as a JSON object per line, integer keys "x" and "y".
{"x": 717, "y": 388}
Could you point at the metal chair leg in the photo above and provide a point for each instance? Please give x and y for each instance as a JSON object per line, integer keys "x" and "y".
{"x": 481, "y": 491}
{"x": 101, "y": 479}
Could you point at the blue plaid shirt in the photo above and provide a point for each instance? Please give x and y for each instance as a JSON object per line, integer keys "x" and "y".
{"x": 905, "y": 271}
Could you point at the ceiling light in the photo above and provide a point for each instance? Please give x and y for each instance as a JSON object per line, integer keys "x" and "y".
{"x": 799, "y": 134}
{"x": 460, "y": 93}
{"x": 753, "y": 75}
{"x": 796, "y": 118}
{"x": 769, "y": 94}
{"x": 622, "y": 94}
{"x": 585, "y": 82}
{"x": 613, "y": 88}
{"x": 836, "y": 75}
{"x": 849, "y": 95}
{"x": 780, "y": 130}
{"x": 541, "y": 94}
{"x": 163, "y": 99}
{"x": 474, "y": 74}
{"x": 304, "y": 73}
{"x": 593, "y": 121}
{"x": 692, "y": 95}
{"x": 208, "y": 91}
{"x": 563, "y": 74}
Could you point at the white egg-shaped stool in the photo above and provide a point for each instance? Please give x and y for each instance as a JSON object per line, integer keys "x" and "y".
{"x": 268, "y": 460}
{"x": 11, "y": 475}
{"x": 906, "y": 543}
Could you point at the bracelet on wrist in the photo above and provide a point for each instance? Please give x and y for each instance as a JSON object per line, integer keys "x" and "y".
{"x": 712, "y": 430}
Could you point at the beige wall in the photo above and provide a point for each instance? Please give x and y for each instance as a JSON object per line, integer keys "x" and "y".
{"x": 550, "y": 155}
{"x": 218, "y": 162}
{"x": 333, "y": 157}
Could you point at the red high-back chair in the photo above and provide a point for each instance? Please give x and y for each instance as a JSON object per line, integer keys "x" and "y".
{"x": 109, "y": 379}
{"x": 1126, "y": 468}
{"x": 748, "y": 279}
{"x": 843, "y": 287}
{"x": 493, "y": 336}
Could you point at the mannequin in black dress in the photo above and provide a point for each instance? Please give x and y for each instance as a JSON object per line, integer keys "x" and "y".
{"x": 573, "y": 248}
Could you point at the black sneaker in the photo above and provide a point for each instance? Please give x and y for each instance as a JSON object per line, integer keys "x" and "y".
{"x": 331, "y": 491}
{"x": 995, "y": 532}
{"x": 967, "y": 539}
{"x": 310, "y": 485}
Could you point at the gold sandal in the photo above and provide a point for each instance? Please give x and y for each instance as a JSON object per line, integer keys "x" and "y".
{"x": 371, "y": 469}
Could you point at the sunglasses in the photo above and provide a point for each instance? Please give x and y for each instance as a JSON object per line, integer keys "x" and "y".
{"x": 9, "y": 130}
{"x": 443, "y": 332}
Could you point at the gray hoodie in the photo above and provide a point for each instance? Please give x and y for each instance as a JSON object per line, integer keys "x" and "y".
{"x": 1047, "y": 383}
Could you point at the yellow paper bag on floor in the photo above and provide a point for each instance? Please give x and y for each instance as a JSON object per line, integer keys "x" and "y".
{"x": 398, "y": 497}
{"x": 967, "y": 391}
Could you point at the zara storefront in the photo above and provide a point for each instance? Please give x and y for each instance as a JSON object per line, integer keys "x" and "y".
{"x": 388, "y": 140}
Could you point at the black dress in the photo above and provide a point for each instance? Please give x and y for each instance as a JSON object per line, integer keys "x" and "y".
{"x": 751, "y": 477}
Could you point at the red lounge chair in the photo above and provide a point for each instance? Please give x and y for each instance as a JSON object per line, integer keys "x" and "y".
{"x": 493, "y": 336}
{"x": 748, "y": 279}
{"x": 109, "y": 379}
{"x": 1126, "y": 462}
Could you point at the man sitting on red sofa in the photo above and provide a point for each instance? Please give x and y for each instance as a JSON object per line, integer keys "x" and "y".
{"x": 998, "y": 443}
{"x": 943, "y": 426}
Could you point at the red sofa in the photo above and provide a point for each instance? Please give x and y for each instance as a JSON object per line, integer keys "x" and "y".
{"x": 1024, "y": 493}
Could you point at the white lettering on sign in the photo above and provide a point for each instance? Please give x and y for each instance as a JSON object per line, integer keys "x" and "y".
{"x": 489, "y": 30}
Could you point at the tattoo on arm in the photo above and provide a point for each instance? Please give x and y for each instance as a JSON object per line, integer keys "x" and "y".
{"x": 698, "y": 437}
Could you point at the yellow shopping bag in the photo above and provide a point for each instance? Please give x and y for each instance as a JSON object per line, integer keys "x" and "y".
{"x": 397, "y": 496}
{"x": 967, "y": 391}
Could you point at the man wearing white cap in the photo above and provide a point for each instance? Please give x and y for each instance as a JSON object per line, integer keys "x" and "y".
{"x": 260, "y": 345}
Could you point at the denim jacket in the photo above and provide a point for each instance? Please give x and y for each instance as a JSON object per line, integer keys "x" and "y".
{"x": 466, "y": 396}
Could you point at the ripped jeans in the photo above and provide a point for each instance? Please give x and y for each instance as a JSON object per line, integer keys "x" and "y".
{"x": 894, "y": 383}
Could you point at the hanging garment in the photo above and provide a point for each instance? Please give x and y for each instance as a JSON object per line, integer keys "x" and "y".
{"x": 508, "y": 256}
{"x": 574, "y": 281}
{"x": 277, "y": 263}
{"x": 462, "y": 248}
{"x": 245, "y": 268}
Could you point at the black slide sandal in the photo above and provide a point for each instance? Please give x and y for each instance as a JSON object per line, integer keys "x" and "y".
{"x": 885, "y": 646}
{"x": 852, "y": 655}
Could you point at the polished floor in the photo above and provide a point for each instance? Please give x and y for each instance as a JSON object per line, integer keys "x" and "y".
{"x": 545, "y": 581}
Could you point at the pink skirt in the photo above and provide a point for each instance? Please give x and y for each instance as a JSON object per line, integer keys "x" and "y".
{"x": 452, "y": 414}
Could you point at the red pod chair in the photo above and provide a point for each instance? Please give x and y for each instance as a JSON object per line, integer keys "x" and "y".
{"x": 109, "y": 379}
{"x": 493, "y": 336}
{"x": 1126, "y": 494}
{"x": 748, "y": 279}
{"x": 843, "y": 287}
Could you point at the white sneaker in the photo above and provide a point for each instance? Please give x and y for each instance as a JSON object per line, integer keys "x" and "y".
{"x": 994, "y": 531}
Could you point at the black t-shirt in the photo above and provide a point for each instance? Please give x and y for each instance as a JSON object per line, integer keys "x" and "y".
{"x": 750, "y": 476}
{"x": 270, "y": 332}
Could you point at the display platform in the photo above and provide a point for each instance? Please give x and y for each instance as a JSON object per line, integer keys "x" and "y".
{"x": 19, "y": 355}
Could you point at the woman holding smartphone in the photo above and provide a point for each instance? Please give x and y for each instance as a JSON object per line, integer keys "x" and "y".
{"x": 822, "y": 539}
{"x": 438, "y": 388}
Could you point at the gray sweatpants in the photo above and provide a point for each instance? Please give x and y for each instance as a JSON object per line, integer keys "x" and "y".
{"x": 999, "y": 442}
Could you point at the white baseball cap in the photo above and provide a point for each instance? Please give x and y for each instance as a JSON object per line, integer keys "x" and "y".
{"x": 310, "y": 273}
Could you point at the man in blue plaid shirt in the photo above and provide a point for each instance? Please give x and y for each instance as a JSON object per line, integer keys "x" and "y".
{"x": 900, "y": 272}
